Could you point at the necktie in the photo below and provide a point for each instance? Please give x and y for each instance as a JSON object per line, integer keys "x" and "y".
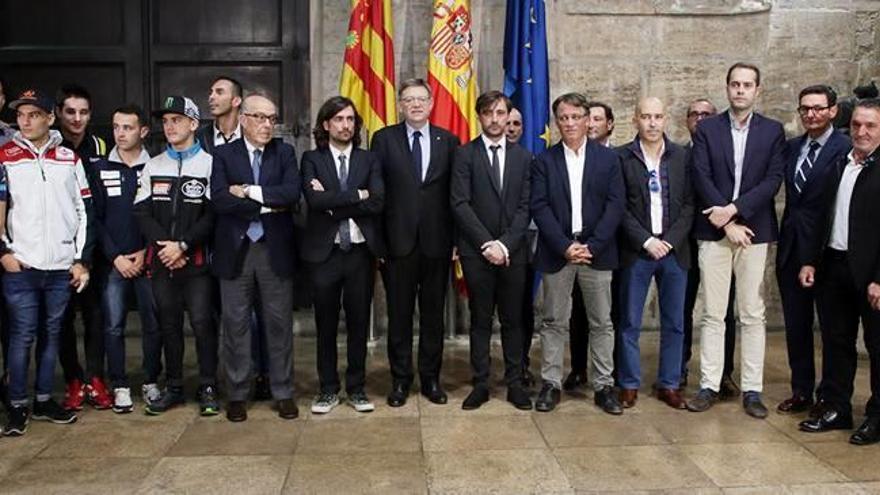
{"x": 344, "y": 226}
{"x": 255, "y": 229}
{"x": 496, "y": 167}
{"x": 800, "y": 178}
{"x": 417, "y": 154}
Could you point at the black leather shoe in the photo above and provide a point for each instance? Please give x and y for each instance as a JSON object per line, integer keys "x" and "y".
{"x": 519, "y": 397}
{"x": 728, "y": 389}
{"x": 432, "y": 391}
{"x": 478, "y": 396}
{"x": 818, "y": 409}
{"x": 607, "y": 399}
{"x": 548, "y": 398}
{"x": 574, "y": 380}
{"x": 831, "y": 419}
{"x": 398, "y": 395}
{"x": 794, "y": 404}
{"x": 868, "y": 433}
{"x": 287, "y": 409}
{"x": 236, "y": 411}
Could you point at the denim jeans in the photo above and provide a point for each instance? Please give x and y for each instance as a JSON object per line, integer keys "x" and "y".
{"x": 25, "y": 292}
{"x": 671, "y": 284}
{"x": 115, "y": 306}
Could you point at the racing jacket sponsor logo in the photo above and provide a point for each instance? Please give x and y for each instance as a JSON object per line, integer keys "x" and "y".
{"x": 193, "y": 189}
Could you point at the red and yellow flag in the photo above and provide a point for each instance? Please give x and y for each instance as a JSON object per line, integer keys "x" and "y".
{"x": 368, "y": 71}
{"x": 450, "y": 69}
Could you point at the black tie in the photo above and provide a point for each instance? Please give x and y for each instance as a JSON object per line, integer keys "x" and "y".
{"x": 800, "y": 178}
{"x": 496, "y": 167}
{"x": 344, "y": 226}
{"x": 417, "y": 154}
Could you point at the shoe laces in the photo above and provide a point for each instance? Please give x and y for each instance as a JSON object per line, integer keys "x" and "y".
{"x": 325, "y": 398}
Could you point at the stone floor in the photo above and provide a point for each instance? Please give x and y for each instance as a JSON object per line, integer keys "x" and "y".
{"x": 423, "y": 447}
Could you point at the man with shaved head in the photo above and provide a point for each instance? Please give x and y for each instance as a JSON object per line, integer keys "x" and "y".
{"x": 654, "y": 244}
{"x": 254, "y": 183}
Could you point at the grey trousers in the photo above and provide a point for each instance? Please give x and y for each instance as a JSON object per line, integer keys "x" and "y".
{"x": 595, "y": 286}
{"x": 276, "y": 299}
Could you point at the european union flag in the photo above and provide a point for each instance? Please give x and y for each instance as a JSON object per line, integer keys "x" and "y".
{"x": 526, "y": 79}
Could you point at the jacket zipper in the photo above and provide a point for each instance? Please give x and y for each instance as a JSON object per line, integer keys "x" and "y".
{"x": 174, "y": 207}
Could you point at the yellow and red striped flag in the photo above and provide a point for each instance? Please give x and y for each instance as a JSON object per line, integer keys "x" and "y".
{"x": 368, "y": 70}
{"x": 450, "y": 69}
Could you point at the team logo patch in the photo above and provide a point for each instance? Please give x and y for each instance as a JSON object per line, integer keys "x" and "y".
{"x": 161, "y": 188}
{"x": 193, "y": 189}
{"x": 14, "y": 151}
{"x": 63, "y": 153}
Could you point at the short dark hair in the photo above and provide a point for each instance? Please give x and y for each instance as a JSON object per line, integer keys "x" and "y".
{"x": 72, "y": 91}
{"x": 609, "y": 114}
{"x": 573, "y": 99}
{"x": 411, "y": 83}
{"x": 330, "y": 108}
{"x": 488, "y": 100}
{"x": 872, "y": 103}
{"x": 237, "y": 88}
{"x": 133, "y": 109}
{"x": 820, "y": 89}
{"x": 745, "y": 65}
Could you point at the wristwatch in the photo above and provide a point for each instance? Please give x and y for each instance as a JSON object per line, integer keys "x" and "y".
{"x": 184, "y": 246}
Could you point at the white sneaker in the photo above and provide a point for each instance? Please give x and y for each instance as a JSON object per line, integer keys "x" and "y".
{"x": 360, "y": 402}
{"x": 150, "y": 393}
{"x": 324, "y": 403}
{"x": 122, "y": 400}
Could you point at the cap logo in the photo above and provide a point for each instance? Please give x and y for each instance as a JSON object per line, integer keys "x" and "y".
{"x": 29, "y": 94}
{"x": 169, "y": 102}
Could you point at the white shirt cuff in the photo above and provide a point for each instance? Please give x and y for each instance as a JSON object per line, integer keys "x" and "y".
{"x": 503, "y": 248}
{"x": 255, "y": 193}
{"x": 645, "y": 245}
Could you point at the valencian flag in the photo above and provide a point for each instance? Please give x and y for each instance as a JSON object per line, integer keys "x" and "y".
{"x": 368, "y": 71}
{"x": 450, "y": 72}
{"x": 526, "y": 79}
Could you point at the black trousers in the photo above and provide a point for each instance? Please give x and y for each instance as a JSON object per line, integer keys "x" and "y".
{"x": 841, "y": 306}
{"x": 89, "y": 304}
{"x": 528, "y": 315}
{"x": 579, "y": 328}
{"x": 194, "y": 294}
{"x": 797, "y": 310}
{"x": 408, "y": 277}
{"x": 490, "y": 286}
{"x": 690, "y": 300}
{"x": 343, "y": 281}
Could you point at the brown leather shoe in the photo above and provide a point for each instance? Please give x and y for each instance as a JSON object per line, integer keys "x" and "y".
{"x": 672, "y": 397}
{"x": 628, "y": 397}
{"x": 795, "y": 404}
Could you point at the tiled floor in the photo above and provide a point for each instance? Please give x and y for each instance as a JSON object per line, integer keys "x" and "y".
{"x": 423, "y": 447}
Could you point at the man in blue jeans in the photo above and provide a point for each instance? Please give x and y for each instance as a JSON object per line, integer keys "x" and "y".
{"x": 44, "y": 251}
{"x": 655, "y": 228}
{"x": 122, "y": 264}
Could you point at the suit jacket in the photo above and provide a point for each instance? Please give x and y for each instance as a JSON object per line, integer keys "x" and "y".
{"x": 863, "y": 242}
{"x": 713, "y": 175}
{"x": 678, "y": 202}
{"x": 205, "y": 135}
{"x": 280, "y": 182}
{"x": 803, "y": 209}
{"x": 417, "y": 214}
{"x": 332, "y": 205}
{"x": 482, "y": 212}
{"x": 603, "y": 203}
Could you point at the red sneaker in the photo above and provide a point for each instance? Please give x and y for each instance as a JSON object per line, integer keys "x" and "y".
{"x": 74, "y": 396}
{"x": 97, "y": 395}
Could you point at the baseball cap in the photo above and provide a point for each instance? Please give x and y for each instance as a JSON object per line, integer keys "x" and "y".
{"x": 178, "y": 104}
{"x": 33, "y": 96}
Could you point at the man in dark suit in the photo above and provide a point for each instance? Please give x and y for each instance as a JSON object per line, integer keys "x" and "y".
{"x": 254, "y": 183}
{"x": 843, "y": 266}
{"x": 490, "y": 200}
{"x": 224, "y": 101}
{"x": 577, "y": 201}
{"x": 416, "y": 162}
{"x": 345, "y": 193}
{"x": 738, "y": 162}
{"x": 654, "y": 245}
{"x": 810, "y": 158}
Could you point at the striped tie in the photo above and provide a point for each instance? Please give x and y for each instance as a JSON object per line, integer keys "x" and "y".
{"x": 800, "y": 177}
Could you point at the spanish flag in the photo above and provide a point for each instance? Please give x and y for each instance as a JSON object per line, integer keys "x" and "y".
{"x": 368, "y": 70}
{"x": 450, "y": 69}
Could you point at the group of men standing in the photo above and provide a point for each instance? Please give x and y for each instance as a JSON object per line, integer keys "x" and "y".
{"x": 608, "y": 222}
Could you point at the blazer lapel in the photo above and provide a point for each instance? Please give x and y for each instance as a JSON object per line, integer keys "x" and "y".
{"x": 330, "y": 171}
{"x": 751, "y": 140}
{"x": 406, "y": 151}
{"x": 435, "y": 151}
{"x": 559, "y": 155}
{"x": 510, "y": 162}
{"x": 483, "y": 160}
{"x": 727, "y": 144}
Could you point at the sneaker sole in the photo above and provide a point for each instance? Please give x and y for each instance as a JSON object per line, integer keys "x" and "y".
{"x": 156, "y": 412}
{"x": 36, "y": 417}
{"x": 15, "y": 432}
{"x": 209, "y": 411}
{"x": 363, "y": 408}
{"x": 323, "y": 410}
{"x": 123, "y": 410}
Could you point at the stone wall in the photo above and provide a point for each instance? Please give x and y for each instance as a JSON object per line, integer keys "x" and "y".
{"x": 620, "y": 50}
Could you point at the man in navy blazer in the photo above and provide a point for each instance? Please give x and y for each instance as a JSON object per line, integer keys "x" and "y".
{"x": 255, "y": 182}
{"x": 738, "y": 162}
{"x": 810, "y": 159}
{"x": 577, "y": 201}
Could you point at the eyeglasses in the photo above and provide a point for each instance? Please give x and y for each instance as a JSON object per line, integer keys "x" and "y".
{"x": 570, "y": 118}
{"x": 263, "y": 118}
{"x": 412, "y": 99}
{"x": 653, "y": 182}
{"x": 804, "y": 111}
{"x": 699, "y": 115}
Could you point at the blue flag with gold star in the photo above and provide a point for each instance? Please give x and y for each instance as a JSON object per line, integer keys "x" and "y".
{"x": 526, "y": 78}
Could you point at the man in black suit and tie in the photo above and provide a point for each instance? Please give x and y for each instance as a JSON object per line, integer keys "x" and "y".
{"x": 490, "y": 200}
{"x": 844, "y": 266}
{"x": 810, "y": 159}
{"x": 577, "y": 201}
{"x": 255, "y": 182}
{"x": 343, "y": 186}
{"x": 416, "y": 160}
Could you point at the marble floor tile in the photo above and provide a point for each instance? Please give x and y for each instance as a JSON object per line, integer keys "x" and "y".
{"x": 78, "y": 475}
{"x": 361, "y": 435}
{"x": 217, "y": 474}
{"x": 713, "y": 427}
{"x": 377, "y": 473}
{"x": 569, "y": 430}
{"x": 495, "y": 471}
{"x": 134, "y": 440}
{"x": 252, "y": 437}
{"x": 455, "y": 433}
{"x": 859, "y": 463}
{"x": 814, "y": 489}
